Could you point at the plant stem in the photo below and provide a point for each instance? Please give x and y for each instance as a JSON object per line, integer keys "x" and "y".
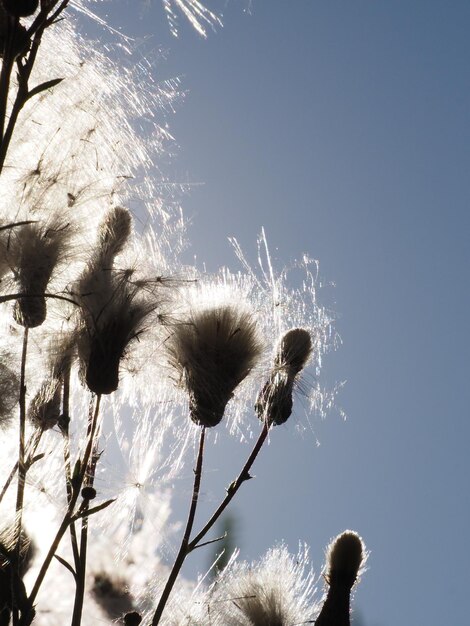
{"x": 81, "y": 564}
{"x": 233, "y": 488}
{"x": 31, "y": 449}
{"x": 64, "y": 426}
{"x": 43, "y": 20}
{"x": 28, "y": 614}
{"x": 22, "y": 469}
{"x": 7, "y": 67}
{"x": 183, "y": 551}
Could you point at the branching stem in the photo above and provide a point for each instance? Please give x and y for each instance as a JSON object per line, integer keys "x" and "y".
{"x": 233, "y": 488}
{"x": 77, "y": 482}
{"x": 183, "y": 551}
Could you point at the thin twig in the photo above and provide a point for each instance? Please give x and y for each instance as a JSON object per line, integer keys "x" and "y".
{"x": 64, "y": 425}
{"x": 81, "y": 564}
{"x": 28, "y": 614}
{"x": 183, "y": 551}
{"x": 31, "y": 449}
{"x": 233, "y": 488}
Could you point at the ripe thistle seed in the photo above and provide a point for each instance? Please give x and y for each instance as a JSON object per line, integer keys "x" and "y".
{"x": 213, "y": 351}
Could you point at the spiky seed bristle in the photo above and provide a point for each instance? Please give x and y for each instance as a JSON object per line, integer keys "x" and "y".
{"x": 344, "y": 557}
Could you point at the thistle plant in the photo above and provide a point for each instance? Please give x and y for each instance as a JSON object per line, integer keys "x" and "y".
{"x": 113, "y": 349}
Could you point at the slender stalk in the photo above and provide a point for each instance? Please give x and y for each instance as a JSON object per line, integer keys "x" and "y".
{"x": 31, "y": 449}
{"x": 81, "y": 564}
{"x": 233, "y": 488}
{"x": 28, "y": 615}
{"x": 22, "y": 469}
{"x": 183, "y": 551}
{"x": 64, "y": 425}
{"x": 21, "y": 475}
{"x": 5, "y": 73}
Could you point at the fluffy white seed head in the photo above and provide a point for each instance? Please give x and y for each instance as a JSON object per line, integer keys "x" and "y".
{"x": 34, "y": 252}
{"x": 276, "y": 591}
{"x": 213, "y": 350}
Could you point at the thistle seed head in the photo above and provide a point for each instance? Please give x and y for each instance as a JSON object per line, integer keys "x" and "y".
{"x": 109, "y": 321}
{"x": 45, "y": 408}
{"x": 35, "y": 251}
{"x": 345, "y": 556}
{"x": 274, "y": 402}
{"x": 213, "y": 351}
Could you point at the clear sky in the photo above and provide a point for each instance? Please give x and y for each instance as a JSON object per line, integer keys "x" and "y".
{"x": 343, "y": 128}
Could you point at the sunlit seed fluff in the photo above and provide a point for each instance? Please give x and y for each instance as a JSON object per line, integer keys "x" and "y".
{"x": 274, "y": 403}
{"x": 9, "y": 392}
{"x": 104, "y": 344}
{"x": 35, "y": 251}
{"x": 112, "y": 594}
{"x": 213, "y": 350}
{"x": 112, "y": 309}
{"x": 45, "y": 408}
{"x": 276, "y": 591}
{"x": 344, "y": 559}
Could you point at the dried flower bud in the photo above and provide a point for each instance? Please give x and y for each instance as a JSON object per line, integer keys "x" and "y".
{"x": 345, "y": 557}
{"x": 88, "y": 493}
{"x": 294, "y": 350}
{"x": 113, "y": 235}
{"x": 213, "y": 351}
{"x": 44, "y": 410}
{"x": 20, "y": 8}
{"x": 274, "y": 402}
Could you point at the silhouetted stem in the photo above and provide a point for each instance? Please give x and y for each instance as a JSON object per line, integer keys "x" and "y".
{"x": 65, "y": 419}
{"x": 183, "y": 551}
{"x": 22, "y": 469}
{"x": 233, "y": 488}
{"x": 31, "y": 449}
{"x": 81, "y": 564}
{"x": 43, "y": 20}
{"x": 27, "y": 618}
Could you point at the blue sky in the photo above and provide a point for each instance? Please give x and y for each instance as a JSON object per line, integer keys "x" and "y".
{"x": 343, "y": 128}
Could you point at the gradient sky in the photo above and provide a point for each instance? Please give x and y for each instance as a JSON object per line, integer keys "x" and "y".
{"x": 343, "y": 128}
